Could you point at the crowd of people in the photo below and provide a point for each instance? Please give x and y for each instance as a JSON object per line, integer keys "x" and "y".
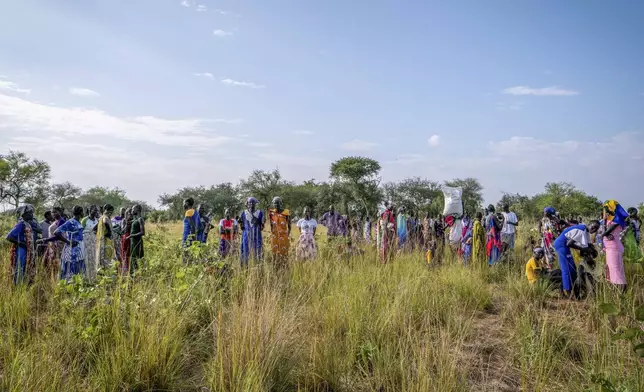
{"x": 95, "y": 238}
{"x": 77, "y": 244}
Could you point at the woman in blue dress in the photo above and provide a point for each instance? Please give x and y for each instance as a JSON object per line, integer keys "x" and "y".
{"x": 252, "y": 224}
{"x": 72, "y": 260}
{"x": 23, "y": 246}
{"x": 190, "y": 222}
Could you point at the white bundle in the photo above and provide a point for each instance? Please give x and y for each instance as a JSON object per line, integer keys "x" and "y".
{"x": 453, "y": 201}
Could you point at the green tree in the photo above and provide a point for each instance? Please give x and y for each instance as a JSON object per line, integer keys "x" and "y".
{"x": 415, "y": 194}
{"x": 472, "y": 193}
{"x": 216, "y": 198}
{"x": 23, "y": 179}
{"x": 522, "y": 205}
{"x": 100, "y": 196}
{"x": 357, "y": 180}
{"x": 64, "y": 194}
{"x": 263, "y": 185}
{"x": 568, "y": 200}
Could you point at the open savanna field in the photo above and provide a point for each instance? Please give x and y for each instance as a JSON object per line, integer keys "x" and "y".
{"x": 335, "y": 324}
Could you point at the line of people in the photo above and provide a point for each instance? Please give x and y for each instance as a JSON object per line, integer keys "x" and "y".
{"x": 80, "y": 244}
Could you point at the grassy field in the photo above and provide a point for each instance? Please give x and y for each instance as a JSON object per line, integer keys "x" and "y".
{"x": 330, "y": 325}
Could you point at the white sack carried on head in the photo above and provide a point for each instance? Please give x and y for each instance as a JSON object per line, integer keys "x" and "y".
{"x": 453, "y": 201}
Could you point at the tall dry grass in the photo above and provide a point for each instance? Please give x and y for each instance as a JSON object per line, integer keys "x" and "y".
{"x": 336, "y": 324}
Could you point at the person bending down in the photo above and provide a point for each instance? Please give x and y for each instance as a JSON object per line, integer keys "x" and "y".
{"x": 573, "y": 237}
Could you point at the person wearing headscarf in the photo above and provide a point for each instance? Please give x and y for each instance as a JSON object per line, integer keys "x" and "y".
{"x": 550, "y": 229}
{"x": 494, "y": 245}
{"x": 616, "y": 220}
{"x": 388, "y": 233}
{"x": 190, "y": 223}
{"x": 280, "y": 221}
{"x": 53, "y": 250}
{"x": 306, "y": 246}
{"x": 126, "y": 253}
{"x": 89, "y": 242}
{"x": 117, "y": 233}
{"x": 251, "y": 223}
{"x": 104, "y": 243}
{"x": 466, "y": 240}
{"x": 632, "y": 251}
{"x": 23, "y": 246}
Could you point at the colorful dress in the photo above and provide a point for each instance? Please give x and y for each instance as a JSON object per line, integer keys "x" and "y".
{"x": 251, "y": 245}
{"x": 126, "y": 252}
{"x": 280, "y": 240}
{"x": 104, "y": 244}
{"x": 388, "y": 234}
{"x": 366, "y": 231}
{"x": 117, "y": 232}
{"x": 53, "y": 250}
{"x": 478, "y": 242}
{"x": 332, "y": 222}
{"x": 23, "y": 266}
{"x": 227, "y": 237}
{"x": 549, "y": 232}
{"x": 467, "y": 241}
{"x": 72, "y": 260}
{"x": 494, "y": 244}
{"x": 306, "y": 247}
{"x": 632, "y": 251}
{"x": 89, "y": 242}
{"x": 191, "y": 223}
{"x": 136, "y": 243}
{"x": 614, "y": 248}
{"x": 401, "y": 229}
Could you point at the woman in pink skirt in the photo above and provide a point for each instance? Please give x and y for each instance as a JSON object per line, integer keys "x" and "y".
{"x": 615, "y": 219}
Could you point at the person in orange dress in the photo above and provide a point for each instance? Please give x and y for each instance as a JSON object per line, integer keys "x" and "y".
{"x": 280, "y": 221}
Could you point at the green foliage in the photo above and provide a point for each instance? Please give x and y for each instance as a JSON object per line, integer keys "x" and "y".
{"x": 356, "y": 179}
{"x": 568, "y": 200}
{"x": 23, "y": 179}
{"x": 416, "y": 194}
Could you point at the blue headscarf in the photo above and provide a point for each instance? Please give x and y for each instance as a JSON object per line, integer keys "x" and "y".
{"x": 616, "y": 212}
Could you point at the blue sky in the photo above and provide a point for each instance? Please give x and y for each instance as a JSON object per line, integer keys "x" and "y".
{"x": 152, "y": 95}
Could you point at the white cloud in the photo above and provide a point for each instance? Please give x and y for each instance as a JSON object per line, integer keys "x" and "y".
{"x": 544, "y": 91}
{"x": 434, "y": 140}
{"x": 83, "y": 92}
{"x": 222, "y": 12}
{"x": 222, "y": 33}
{"x": 509, "y": 106}
{"x": 201, "y": 8}
{"x": 302, "y": 132}
{"x": 186, "y": 3}
{"x": 237, "y": 83}
{"x": 260, "y": 144}
{"x": 10, "y": 86}
{"x": 358, "y": 145}
{"x": 17, "y": 114}
{"x": 206, "y": 75}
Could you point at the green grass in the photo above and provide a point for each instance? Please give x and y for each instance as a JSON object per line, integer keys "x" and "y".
{"x": 329, "y": 325}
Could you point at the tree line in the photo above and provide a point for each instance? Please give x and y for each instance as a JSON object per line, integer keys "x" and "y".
{"x": 354, "y": 187}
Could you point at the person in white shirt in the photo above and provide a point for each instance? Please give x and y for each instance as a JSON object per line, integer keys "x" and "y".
{"x": 509, "y": 230}
{"x": 306, "y": 247}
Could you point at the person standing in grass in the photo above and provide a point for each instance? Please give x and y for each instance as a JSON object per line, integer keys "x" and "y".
{"x": 494, "y": 226}
{"x": 228, "y": 228}
{"x": 332, "y": 220}
{"x": 402, "y": 228}
{"x": 89, "y": 242}
{"x": 251, "y": 222}
{"x": 104, "y": 244}
{"x": 71, "y": 233}
{"x": 137, "y": 232}
{"x": 366, "y": 231}
{"x": 117, "y": 232}
{"x": 388, "y": 233}
{"x": 466, "y": 240}
{"x": 280, "y": 221}
{"x": 508, "y": 232}
{"x": 23, "y": 247}
{"x": 573, "y": 237}
{"x": 126, "y": 229}
{"x": 190, "y": 222}
{"x": 53, "y": 250}
{"x": 616, "y": 220}
{"x": 478, "y": 240}
{"x": 306, "y": 247}
{"x": 632, "y": 251}
{"x": 44, "y": 231}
